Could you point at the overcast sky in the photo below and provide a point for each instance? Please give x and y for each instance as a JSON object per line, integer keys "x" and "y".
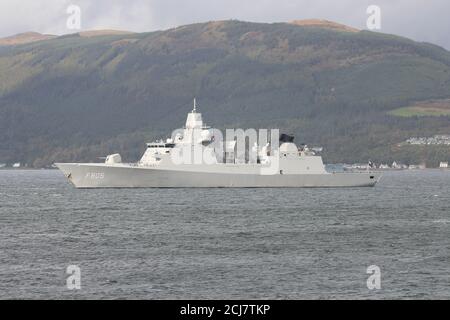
{"x": 422, "y": 20}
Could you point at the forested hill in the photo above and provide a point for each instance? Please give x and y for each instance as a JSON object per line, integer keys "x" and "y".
{"x": 81, "y": 96}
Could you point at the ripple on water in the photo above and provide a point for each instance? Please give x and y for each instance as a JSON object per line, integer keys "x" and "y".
{"x": 224, "y": 243}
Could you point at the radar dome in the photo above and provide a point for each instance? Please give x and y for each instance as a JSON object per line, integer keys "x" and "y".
{"x": 288, "y": 147}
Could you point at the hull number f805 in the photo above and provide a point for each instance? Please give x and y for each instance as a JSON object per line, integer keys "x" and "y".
{"x": 95, "y": 175}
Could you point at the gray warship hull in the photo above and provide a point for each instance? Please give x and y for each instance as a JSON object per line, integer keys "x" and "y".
{"x": 194, "y": 158}
{"x": 85, "y": 175}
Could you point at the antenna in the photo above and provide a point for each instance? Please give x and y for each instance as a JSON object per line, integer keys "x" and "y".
{"x": 195, "y": 105}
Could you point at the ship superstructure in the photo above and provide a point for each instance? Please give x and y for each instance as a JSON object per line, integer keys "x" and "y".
{"x": 194, "y": 157}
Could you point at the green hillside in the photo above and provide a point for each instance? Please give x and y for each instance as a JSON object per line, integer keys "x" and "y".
{"x": 76, "y": 98}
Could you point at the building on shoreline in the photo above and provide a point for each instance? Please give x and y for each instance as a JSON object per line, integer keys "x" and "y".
{"x": 439, "y": 139}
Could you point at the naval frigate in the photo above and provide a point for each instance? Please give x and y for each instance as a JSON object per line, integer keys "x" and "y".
{"x": 280, "y": 164}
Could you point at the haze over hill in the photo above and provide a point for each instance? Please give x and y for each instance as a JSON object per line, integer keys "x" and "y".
{"x": 26, "y": 37}
{"x": 75, "y": 97}
{"x": 29, "y": 37}
{"x": 324, "y": 24}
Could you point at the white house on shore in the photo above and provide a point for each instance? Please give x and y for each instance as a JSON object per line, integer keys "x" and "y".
{"x": 16, "y": 165}
{"x": 443, "y": 165}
